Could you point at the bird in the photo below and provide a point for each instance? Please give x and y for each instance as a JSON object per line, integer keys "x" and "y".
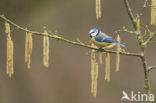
{"x": 102, "y": 39}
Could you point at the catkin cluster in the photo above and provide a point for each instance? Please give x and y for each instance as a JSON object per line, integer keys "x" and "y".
{"x": 94, "y": 65}
{"x": 28, "y": 50}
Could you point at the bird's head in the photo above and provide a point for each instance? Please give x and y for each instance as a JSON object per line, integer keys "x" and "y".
{"x": 94, "y": 32}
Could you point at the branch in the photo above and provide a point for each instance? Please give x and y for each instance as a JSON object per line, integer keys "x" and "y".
{"x": 134, "y": 22}
{"x": 150, "y": 68}
{"x": 130, "y": 14}
{"x": 152, "y": 35}
{"x": 145, "y": 3}
{"x": 124, "y": 29}
{"x": 140, "y": 40}
{"x": 66, "y": 40}
{"x": 143, "y": 8}
{"x": 146, "y": 74}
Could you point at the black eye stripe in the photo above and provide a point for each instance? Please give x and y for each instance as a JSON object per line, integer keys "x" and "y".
{"x": 93, "y": 32}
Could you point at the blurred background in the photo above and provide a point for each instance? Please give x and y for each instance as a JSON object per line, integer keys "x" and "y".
{"x": 67, "y": 80}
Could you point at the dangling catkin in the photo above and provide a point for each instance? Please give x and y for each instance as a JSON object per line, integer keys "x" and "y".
{"x": 95, "y": 81}
{"x": 107, "y": 67}
{"x": 28, "y": 48}
{"x": 7, "y": 28}
{"x": 92, "y": 67}
{"x": 97, "y": 15}
{"x": 46, "y": 50}
{"x": 117, "y": 54}
{"x": 98, "y": 9}
{"x": 153, "y": 12}
{"x": 94, "y": 73}
{"x": 10, "y": 52}
{"x": 100, "y": 57}
{"x": 138, "y": 22}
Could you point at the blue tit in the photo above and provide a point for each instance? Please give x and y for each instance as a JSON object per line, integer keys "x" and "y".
{"x": 101, "y": 39}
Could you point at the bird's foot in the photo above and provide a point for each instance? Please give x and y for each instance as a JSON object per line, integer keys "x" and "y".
{"x": 99, "y": 49}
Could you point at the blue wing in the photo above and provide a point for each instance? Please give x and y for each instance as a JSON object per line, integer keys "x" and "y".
{"x": 108, "y": 40}
{"x": 120, "y": 44}
{"x": 104, "y": 39}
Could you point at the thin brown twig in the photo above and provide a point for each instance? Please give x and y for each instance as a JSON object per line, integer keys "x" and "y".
{"x": 129, "y": 11}
{"x": 152, "y": 35}
{"x": 143, "y": 8}
{"x": 146, "y": 73}
{"x": 151, "y": 68}
{"x": 145, "y": 3}
{"x": 125, "y": 30}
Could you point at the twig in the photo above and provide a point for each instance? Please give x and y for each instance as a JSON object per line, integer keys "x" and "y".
{"x": 146, "y": 29}
{"x": 143, "y": 8}
{"x": 145, "y": 3}
{"x": 154, "y": 67}
{"x": 146, "y": 73}
{"x": 134, "y": 22}
{"x": 130, "y": 14}
{"x": 152, "y": 35}
{"x": 125, "y": 30}
{"x": 66, "y": 40}
{"x": 151, "y": 68}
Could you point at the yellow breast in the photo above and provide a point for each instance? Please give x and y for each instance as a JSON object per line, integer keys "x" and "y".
{"x": 102, "y": 44}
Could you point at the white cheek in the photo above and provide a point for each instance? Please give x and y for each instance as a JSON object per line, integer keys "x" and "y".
{"x": 94, "y": 34}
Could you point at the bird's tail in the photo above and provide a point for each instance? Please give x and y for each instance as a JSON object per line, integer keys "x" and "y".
{"x": 120, "y": 44}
